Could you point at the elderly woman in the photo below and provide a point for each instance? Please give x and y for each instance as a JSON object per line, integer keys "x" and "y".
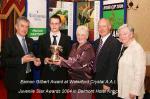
{"x": 80, "y": 65}
{"x": 132, "y": 65}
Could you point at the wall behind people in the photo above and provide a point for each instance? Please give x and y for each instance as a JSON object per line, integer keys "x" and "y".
{"x": 139, "y": 19}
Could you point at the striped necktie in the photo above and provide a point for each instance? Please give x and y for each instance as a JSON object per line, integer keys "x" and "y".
{"x": 25, "y": 49}
{"x": 100, "y": 45}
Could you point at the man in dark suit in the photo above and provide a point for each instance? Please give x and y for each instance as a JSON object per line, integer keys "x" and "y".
{"x": 18, "y": 61}
{"x": 107, "y": 49}
{"x": 50, "y": 71}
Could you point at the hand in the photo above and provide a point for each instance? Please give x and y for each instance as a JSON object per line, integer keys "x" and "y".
{"x": 37, "y": 62}
{"x": 57, "y": 62}
{"x": 61, "y": 58}
{"x": 132, "y": 96}
{"x": 106, "y": 88}
{"x": 47, "y": 61}
{"x": 27, "y": 58}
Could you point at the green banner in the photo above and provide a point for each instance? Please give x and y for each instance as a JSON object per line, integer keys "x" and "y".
{"x": 35, "y": 32}
{"x": 115, "y": 16}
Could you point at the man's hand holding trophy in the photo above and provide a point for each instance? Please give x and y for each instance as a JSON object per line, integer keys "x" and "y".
{"x": 55, "y": 58}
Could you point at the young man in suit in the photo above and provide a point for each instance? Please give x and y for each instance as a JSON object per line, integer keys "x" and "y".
{"x": 50, "y": 71}
{"x": 107, "y": 48}
{"x": 18, "y": 61}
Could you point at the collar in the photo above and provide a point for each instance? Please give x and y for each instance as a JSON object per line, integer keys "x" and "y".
{"x": 19, "y": 37}
{"x": 105, "y": 37}
{"x": 55, "y": 34}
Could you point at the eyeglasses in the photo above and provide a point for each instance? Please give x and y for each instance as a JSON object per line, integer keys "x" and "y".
{"x": 54, "y": 23}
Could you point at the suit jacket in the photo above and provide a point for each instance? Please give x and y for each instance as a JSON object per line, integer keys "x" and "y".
{"x": 12, "y": 52}
{"x": 106, "y": 60}
{"x": 131, "y": 72}
{"x": 44, "y": 50}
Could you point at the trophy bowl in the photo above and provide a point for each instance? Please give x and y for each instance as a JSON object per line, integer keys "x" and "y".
{"x": 55, "y": 49}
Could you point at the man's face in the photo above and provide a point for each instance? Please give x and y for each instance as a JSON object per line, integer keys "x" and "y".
{"x": 103, "y": 27}
{"x": 55, "y": 24}
{"x": 22, "y": 28}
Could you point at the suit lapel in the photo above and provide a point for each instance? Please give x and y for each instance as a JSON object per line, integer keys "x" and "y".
{"x": 18, "y": 46}
{"x": 104, "y": 47}
{"x": 48, "y": 40}
{"x": 61, "y": 41}
{"x": 29, "y": 44}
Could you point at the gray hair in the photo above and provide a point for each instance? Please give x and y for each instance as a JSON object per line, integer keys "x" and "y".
{"x": 22, "y": 18}
{"x": 83, "y": 29}
{"x": 130, "y": 29}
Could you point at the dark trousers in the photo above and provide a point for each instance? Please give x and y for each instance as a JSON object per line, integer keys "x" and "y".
{"x": 15, "y": 94}
{"x": 57, "y": 75}
{"x": 107, "y": 95}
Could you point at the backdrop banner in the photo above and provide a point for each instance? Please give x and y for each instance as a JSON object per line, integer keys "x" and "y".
{"x": 115, "y": 11}
{"x": 36, "y": 13}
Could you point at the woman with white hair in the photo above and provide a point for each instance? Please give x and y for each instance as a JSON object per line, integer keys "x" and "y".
{"x": 132, "y": 65}
{"x": 80, "y": 65}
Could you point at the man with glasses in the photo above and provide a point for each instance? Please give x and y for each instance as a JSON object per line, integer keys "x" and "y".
{"x": 49, "y": 71}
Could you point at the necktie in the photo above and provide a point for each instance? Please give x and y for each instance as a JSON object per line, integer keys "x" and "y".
{"x": 52, "y": 66}
{"x": 99, "y": 46}
{"x": 25, "y": 49}
{"x": 54, "y": 41}
{"x": 97, "y": 53}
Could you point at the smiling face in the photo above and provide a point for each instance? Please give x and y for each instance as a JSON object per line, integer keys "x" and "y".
{"x": 81, "y": 37}
{"x": 22, "y": 27}
{"x": 55, "y": 24}
{"x": 104, "y": 27}
{"x": 125, "y": 36}
{"x": 82, "y": 34}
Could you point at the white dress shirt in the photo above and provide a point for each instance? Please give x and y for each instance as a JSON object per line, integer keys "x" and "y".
{"x": 105, "y": 38}
{"x": 58, "y": 34}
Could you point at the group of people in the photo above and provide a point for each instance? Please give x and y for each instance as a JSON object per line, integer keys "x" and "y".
{"x": 118, "y": 64}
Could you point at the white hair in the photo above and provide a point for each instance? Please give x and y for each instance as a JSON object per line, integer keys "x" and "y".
{"x": 130, "y": 29}
{"x": 83, "y": 29}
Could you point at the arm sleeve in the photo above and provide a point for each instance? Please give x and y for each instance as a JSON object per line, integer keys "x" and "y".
{"x": 7, "y": 59}
{"x": 139, "y": 63}
{"x": 80, "y": 62}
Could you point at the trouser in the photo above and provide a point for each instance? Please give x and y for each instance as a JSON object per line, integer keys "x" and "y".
{"x": 20, "y": 93}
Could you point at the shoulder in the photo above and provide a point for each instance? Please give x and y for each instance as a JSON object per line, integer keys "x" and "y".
{"x": 88, "y": 46}
{"x": 10, "y": 39}
{"x": 43, "y": 37}
{"x": 115, "y": 41}
{"x": 28, "y": 38}
{"x": 75, "y": 44}
{"x": 95, "y": 43}
{"x": 137, "y": 47}
{"x": 66, "y": 36}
